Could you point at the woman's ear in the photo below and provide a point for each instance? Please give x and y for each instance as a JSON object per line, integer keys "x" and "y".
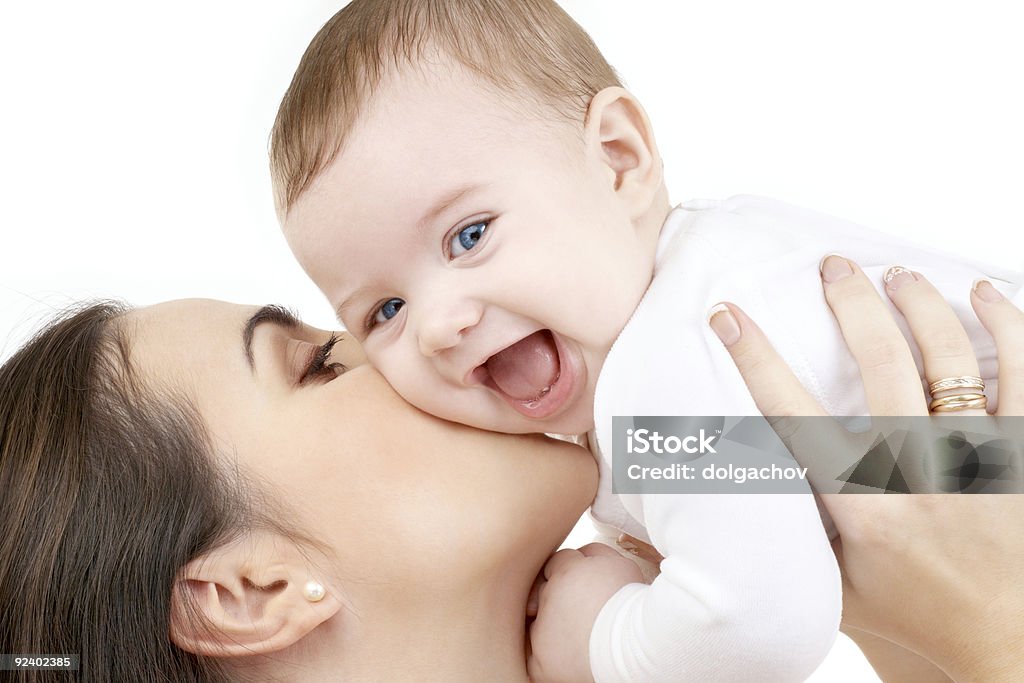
{"x": 619, "y": 133}
{"x": 253, "y": 596}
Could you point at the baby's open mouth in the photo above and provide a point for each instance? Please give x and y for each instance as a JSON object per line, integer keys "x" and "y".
{"x": 526, "y": 370}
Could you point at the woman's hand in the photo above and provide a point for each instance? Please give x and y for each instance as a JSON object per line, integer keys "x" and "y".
{"x": 938, "y": 574}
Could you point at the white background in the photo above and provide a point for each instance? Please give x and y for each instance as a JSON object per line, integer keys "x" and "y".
{"x": 133, "y": 162}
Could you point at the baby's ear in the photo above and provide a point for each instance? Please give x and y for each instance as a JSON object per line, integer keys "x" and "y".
{"x": 253, "y": 596}
{"x": 619, "y": 133}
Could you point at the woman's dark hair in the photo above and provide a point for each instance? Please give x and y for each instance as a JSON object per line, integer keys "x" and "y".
{"x": 107, "y": 488}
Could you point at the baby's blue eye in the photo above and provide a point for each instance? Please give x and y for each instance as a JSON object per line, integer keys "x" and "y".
{"x": 466, "y": 239}
{"x": 388, "y": 310}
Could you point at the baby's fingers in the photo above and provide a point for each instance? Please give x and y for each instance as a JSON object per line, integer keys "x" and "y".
{"x": 560, "y": 560}
{"x": 1005, "y": 323}
{"x": 598, "y": 549}
{"x": 533, "y": 599}
{"x": 775, "y": 388}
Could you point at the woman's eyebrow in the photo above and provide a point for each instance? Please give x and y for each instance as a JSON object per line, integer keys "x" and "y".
{"x": 272, "y": 313}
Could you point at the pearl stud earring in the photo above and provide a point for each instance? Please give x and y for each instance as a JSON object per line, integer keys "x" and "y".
{"x": 313, "y": 591}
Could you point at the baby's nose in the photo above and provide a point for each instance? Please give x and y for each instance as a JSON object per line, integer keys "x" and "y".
{"x": 442, "y": 328}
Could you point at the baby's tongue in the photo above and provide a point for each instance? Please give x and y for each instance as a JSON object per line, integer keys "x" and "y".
{"x": 527, "y": 368}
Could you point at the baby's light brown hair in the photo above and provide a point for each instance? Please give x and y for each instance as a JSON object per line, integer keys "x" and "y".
{"x": 526, "y": 48}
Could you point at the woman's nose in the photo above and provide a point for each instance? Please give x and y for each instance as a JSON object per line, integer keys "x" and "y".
{"x": 441, "y": 327}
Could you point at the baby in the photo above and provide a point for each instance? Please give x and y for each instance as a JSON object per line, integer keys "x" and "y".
{"x": 484, "y": 205}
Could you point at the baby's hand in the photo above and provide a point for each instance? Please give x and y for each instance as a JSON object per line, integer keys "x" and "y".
{"x": 575, "y": 586}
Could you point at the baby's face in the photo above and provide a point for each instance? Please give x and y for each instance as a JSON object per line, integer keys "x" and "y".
{"x": 481, "y": 255}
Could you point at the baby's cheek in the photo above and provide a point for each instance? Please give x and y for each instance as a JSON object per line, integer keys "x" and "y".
{"x": 460, "y": 406}
{"x": 349, "y": 352}
{"x": 422, "y": 390}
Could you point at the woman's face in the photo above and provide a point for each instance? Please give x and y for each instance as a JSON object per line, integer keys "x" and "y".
{"x": 399, "y": 495}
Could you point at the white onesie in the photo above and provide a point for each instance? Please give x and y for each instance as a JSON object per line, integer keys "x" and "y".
{"x": 749, "y": 589}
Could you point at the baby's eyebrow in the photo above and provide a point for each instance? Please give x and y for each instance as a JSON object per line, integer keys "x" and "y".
{"x": 446, "y": 201}
{"x": 349, "y": 302}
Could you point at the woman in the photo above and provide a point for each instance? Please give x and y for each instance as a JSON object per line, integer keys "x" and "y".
{"x": 207, "y": 470}
{"x": 202, "y": 468}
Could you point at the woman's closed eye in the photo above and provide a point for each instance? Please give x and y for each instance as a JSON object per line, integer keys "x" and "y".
{"x": 318, "y": 367}
{"x": 466, "y": 238}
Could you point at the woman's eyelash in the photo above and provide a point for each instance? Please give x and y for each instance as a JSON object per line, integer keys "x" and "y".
{"x": 318, "y": 364}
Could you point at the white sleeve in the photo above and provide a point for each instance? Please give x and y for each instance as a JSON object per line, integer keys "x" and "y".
{"x": 749, "y": 590}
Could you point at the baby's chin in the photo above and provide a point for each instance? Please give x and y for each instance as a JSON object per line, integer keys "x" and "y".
{"x": 576, "y": 420}
{"x": 575, "y": 428}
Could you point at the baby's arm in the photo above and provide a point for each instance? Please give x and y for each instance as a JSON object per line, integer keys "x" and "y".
{"x": 749, "y": 590}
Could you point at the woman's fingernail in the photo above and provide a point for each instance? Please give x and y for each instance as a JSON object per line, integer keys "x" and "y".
{"x": 834, "y": 268}
{"x": 986, "y": 292}
{"x": 723, "y": 322}
{"x": 626, "y": 544}
{"x": 897, "y": 276}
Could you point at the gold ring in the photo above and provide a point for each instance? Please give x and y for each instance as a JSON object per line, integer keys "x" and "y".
{"x": 965, "y": 382}
{"x": 950, "y": 404}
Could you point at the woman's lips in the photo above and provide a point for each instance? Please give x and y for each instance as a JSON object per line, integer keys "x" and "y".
{"x": 537, "y": 375}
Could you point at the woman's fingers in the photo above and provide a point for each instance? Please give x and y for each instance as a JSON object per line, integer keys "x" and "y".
{"x": 634, "y": 546}
{"x": 887, "y": 367}
{"x": 945, "y": 347}
{"x": 1005, "y": 323}
{"x": 812, "y": 437}
{"x": 775, "y": 388}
